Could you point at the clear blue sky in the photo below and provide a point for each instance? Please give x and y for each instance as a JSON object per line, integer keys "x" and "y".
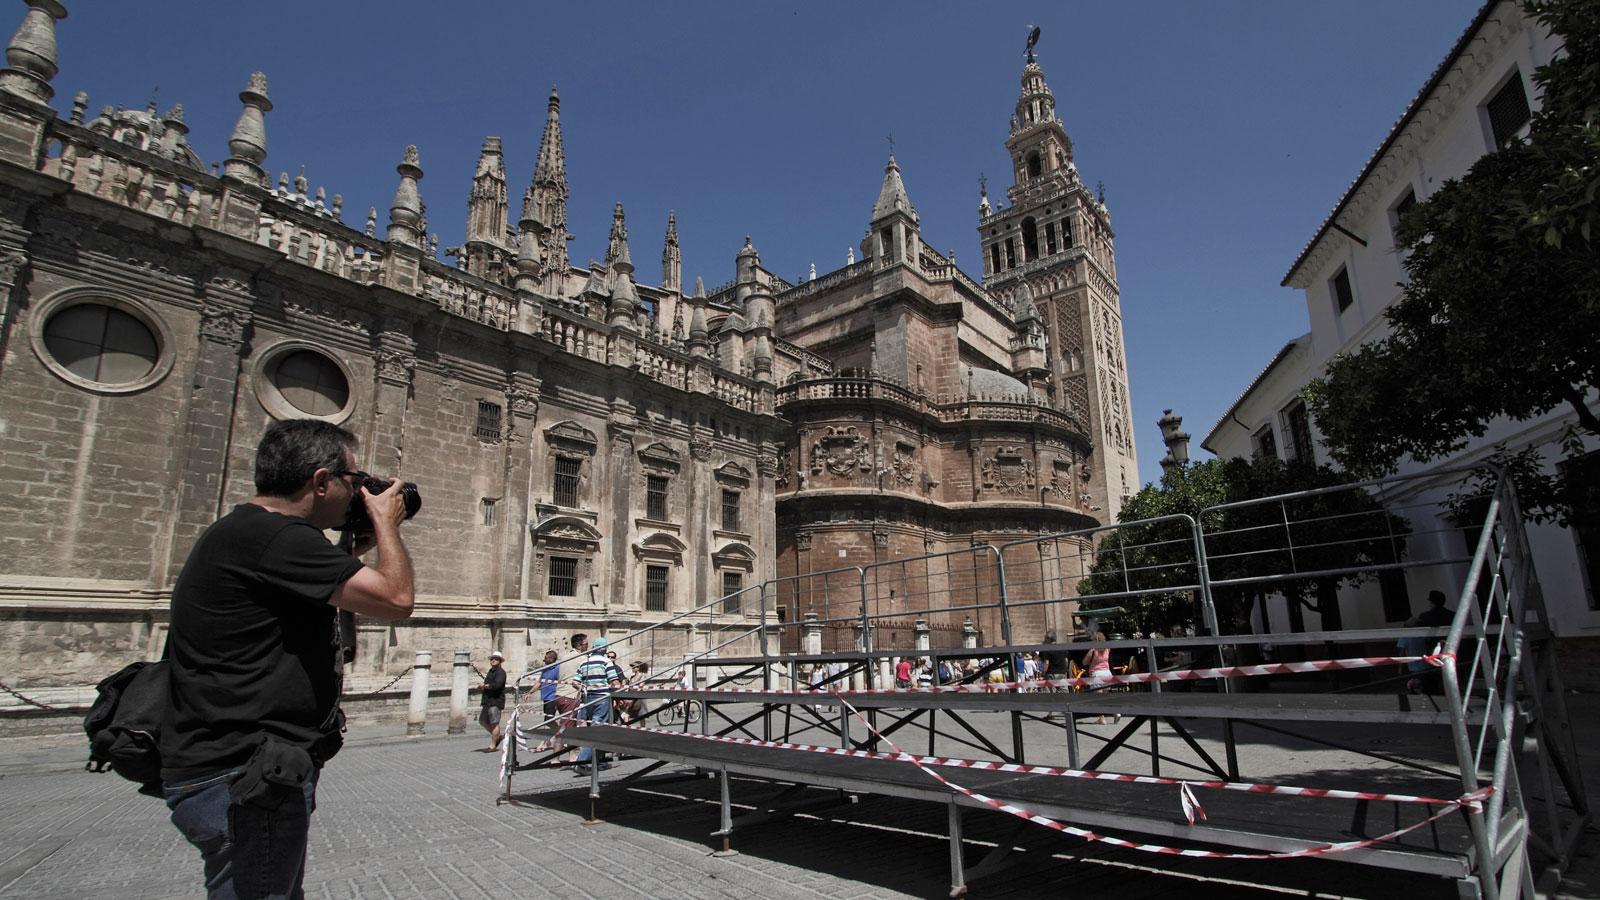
{"x": 1224, "y": 131}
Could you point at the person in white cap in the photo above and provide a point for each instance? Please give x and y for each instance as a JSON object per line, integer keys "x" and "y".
{"x": 494, "y": 700}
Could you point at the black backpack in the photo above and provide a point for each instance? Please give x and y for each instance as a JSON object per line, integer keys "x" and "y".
{"x": 124, "y": 724}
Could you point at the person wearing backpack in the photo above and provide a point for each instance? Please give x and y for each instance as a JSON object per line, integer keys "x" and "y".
{"x": 254, "y": 655}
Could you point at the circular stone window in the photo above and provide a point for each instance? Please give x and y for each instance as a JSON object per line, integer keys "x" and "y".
{"x": 101, "y": 343}
{"x": 297, "y": 381}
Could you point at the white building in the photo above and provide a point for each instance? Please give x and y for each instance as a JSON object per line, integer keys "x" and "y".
{"x": 1478, "y": 97}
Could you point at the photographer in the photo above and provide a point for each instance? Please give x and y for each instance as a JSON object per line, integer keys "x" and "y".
{"x": 255, "y": 654}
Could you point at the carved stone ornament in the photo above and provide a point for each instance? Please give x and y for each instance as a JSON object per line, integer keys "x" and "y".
{"x": 700, "y": 448}
{"x": 1009, "y": 472}
{"x": 571, "y": 435}
{"x": 660, "y": 459}
{"x": 11, "y": 266}
{"x": 841, "y": 450}
{"x": 395, "y": 366}
{"x": 522, "y": 402}
{"x": 227, "y": 283}
{"x": 767, "y": 464}
{"x": 223, "y": 324}
{"x": 733, "y": 473}
{"x": 802, "y": 540}
{"x": 880, "y": 539}
{"x": 903, "y": 464}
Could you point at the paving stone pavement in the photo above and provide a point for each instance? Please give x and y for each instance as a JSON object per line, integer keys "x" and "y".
{"x": 417, "y": 817}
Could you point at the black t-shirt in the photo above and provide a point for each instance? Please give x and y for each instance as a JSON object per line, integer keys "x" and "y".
{"x": 494, "y": 687}
{"x": 1059, "y": 661}
{"x": 253, "y": 641}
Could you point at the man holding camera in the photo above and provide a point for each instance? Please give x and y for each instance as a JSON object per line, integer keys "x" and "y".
{"x": 255, "y": 654}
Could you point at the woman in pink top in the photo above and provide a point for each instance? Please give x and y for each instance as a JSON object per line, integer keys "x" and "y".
{"x": 902, "y": 673}
{"x": 1098, "y": 662}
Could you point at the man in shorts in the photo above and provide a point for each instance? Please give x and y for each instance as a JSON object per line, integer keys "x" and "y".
{"x": 494, "y": 700}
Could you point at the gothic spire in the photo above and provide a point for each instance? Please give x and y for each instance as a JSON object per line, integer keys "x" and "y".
{"x": 486, "y": 206}
{"x": 617, "y": 254}
{"x": 892, "y": 196}
{"x": 672, "y": 257}
{"x": 544, "y": 205}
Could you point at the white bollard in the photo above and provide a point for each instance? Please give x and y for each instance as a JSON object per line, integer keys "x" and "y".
{"x": 969, "y": 634}
{"x": 812, "y": 630}
{"x": 417, "y": 717}
{"x": 922, "y": 632}
{"x": 460, "y": 672}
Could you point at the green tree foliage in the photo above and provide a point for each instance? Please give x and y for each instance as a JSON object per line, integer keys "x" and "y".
{"x": 1253, "y": 549}
{"x": 1502, "y": 309}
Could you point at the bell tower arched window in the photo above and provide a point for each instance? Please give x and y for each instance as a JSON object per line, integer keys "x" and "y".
{"x": 1030, "y": 239}
{"x": 1035, "y": 167}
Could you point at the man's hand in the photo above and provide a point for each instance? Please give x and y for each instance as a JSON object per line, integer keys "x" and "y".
{"x": 387, "y": 508}
{"x": 385, "y": 590}
{"x": 364, "y": 542}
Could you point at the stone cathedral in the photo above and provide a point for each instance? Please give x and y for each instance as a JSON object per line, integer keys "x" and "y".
{"x": 597, "y": 452}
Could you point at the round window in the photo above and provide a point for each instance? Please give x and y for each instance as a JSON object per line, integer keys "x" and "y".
{"x": 101, "y": 344}
{"x": 310, "y": 382}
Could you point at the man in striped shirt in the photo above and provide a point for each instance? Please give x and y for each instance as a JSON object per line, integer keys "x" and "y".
{"x": 599, "y": 677}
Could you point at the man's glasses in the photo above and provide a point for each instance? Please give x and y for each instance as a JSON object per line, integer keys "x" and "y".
{"x": 362, "y": 476}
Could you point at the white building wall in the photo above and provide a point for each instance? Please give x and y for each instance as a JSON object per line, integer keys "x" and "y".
{"x": 1447, "y": 133}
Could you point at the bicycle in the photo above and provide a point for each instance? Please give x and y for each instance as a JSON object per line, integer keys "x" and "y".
{"x": 676, "y": 711}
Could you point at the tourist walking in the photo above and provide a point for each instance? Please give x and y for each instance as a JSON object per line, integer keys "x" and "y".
{"x": 494, "y": 700}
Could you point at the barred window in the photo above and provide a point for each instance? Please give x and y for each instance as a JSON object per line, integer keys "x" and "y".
{"x": 1508, "y": 110}
{"x": 655, "y": 497}
{"x": 732, "y": 600}
{"x": 488, "y": 421}
{"x": 563, "y": 576}
{"x": 655, "y": 588}
{"x": 566, "y": 484}
{"x": 730, "y": 510}
{"x": 486, "y": 509}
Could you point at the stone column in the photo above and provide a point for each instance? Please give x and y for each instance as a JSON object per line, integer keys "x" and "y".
{"x": 921, "y": 630}
{"x": 460, "y": 672}
{"x": 858, "y": 680}
{"x": 208, "y": 432}
{"x": 395, "y": 357}
{"x": 620, "y": 470}
{"x": 522, "y": 416}
{"x": 417, "y": 715}
{"x": 13, "y": 261}
{"x": 969, "y": 634}
{"x": 811, "y": 634}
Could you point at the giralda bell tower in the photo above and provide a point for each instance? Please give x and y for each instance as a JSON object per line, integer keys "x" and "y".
{"x": 1054, "y": 241}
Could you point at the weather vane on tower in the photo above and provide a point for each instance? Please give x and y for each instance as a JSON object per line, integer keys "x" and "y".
{"x": 1033, "y": 38}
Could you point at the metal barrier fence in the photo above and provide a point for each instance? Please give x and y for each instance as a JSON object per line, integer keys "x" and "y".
{"x": 1353, "y": 548}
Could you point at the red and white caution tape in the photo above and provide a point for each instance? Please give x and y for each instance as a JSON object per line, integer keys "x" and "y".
{"x": 1059, "y": 772}
{"x": 1472, "y": 802}
{"x": 1286, "y": 668}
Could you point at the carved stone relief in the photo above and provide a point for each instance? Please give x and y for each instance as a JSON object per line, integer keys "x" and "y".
{"x": 903, "y": 464}
{"x": 1009, "y": 472}
{"x": 841, "y": 450}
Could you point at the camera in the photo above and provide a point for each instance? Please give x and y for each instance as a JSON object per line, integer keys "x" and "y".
{"x": 357, "y": 518}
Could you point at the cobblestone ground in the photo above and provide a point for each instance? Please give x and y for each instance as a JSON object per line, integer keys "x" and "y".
{"x": 416, "y": 817}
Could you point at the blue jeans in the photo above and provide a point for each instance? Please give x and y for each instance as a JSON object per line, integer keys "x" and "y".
{"x": 249, "y": 853}
{"x": 598, "y": 711}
